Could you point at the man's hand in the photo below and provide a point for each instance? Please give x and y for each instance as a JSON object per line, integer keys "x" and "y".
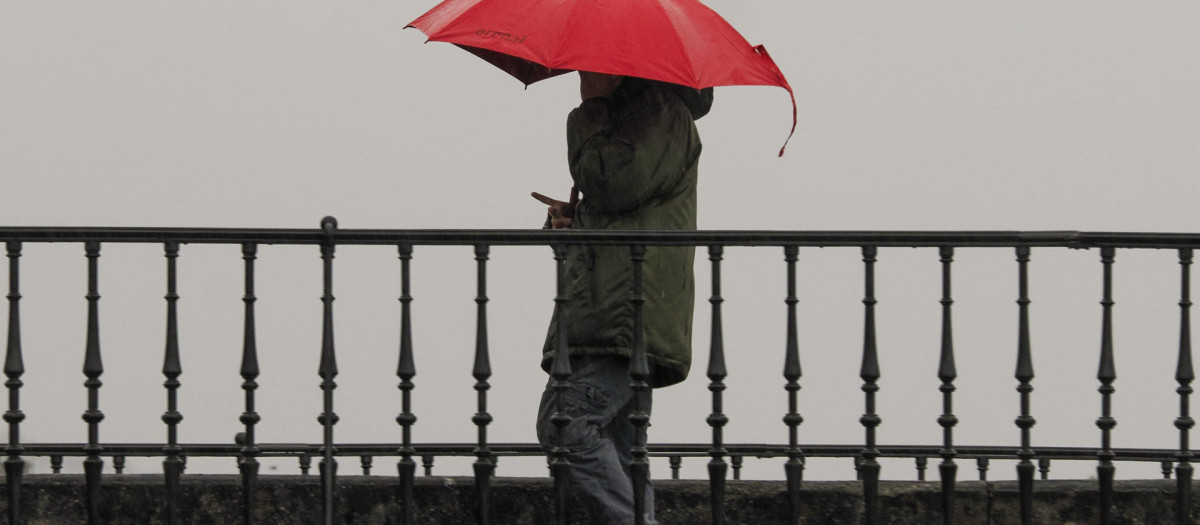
{"x": 557, "y": 211}
{"x": 592, "y": 85}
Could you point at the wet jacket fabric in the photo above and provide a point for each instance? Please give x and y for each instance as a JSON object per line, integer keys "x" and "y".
{"x": 633, "y": 155}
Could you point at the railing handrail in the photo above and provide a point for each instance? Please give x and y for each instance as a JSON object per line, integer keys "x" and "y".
{"x": 521, "y": 237}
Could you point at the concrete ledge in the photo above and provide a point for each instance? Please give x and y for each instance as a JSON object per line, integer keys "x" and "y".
{"x": 206, "y": 499}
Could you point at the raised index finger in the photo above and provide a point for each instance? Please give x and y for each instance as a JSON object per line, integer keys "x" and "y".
{"x": 544, "y": 199}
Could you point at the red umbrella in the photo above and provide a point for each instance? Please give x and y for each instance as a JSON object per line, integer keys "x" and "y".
{"x": 678, "y": 41}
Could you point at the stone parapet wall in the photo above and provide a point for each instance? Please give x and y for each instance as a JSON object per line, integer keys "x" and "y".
{"x": 208, "y": 499}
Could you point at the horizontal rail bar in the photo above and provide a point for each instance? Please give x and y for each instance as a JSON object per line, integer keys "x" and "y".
{"x": 1070, "y": 239}
{"x": 657, "y": 450}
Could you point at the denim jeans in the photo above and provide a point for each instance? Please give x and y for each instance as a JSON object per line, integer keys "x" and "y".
{"x": 599, "y": 437}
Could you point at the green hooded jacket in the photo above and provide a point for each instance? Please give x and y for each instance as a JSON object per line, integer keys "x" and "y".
{"x": 633, "y": 156}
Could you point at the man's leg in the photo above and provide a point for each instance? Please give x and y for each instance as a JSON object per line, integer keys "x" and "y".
{"x": 622, "y": 434}
{"x": 599, "y": 389}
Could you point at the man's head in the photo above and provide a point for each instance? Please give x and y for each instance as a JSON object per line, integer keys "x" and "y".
{"x": 592, "y": 85}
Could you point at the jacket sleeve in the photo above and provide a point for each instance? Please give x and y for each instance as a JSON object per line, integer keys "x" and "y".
{"x": 620, "y": 165}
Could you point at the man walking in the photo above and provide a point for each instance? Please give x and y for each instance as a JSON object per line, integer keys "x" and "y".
{"x": 633, "y": 150}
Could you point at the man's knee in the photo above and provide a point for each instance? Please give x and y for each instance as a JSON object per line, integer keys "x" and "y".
{"x": 584, "y": 407}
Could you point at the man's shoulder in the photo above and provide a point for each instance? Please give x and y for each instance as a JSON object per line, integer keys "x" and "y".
{"x": 657, "y": 103}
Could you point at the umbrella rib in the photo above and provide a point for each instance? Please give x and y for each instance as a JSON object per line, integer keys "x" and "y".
{"x": 447, "y": 19}
{"x": 687, "y": 55}
{"x": 563, "y": 37}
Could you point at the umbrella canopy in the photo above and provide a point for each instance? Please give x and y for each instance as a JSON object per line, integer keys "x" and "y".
{"x": 678, "y": 41}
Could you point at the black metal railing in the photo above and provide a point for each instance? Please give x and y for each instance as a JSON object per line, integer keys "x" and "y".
{"x": 247, "y": 450}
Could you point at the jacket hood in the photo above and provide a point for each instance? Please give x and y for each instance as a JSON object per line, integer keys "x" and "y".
{"x": 698, "y": 101}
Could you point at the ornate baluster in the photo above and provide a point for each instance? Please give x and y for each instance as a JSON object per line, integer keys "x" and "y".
{"x": 248, "y": 462}
{"x": 305, "y": 464}
{"x": 794, "y": 468}
{"x": 482, "y": 371}
{"x": 1024, "y": 375}
{"x": 870, "y": 374}
{"x": 327, "y": 371}
{"x": 1184, "y": 374}
{"x": 1044, "y": 468}
{"x": 947, "y": 372}
{"x": 922, "y": 463}
{"x": 172, "y": 465}
{"x": 1106, "y": 374}
{"x": 365, "y": 460}
{"x": 14, "y": 367}
{"x": 560, "y": 372}
{"x": 427, "y": 464}
{"x": 982, "y": 465}
{"x": 405, "y": 370}
{"x": 93, "y": 367}
{"x": 716, "y": 374}
{"x": 639, "y": 371}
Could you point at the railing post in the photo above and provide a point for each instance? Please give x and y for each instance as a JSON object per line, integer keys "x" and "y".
{"x": 1024, "y": 375}
{"x": 482, "y": 371}
{"x": 172, "y": 465}
{"x": 560, "y": 372}
{"x": 717, "y": 467}
{"x": 14, "y": 367}
{"x": 327, "y": 371}
{"x": 639, "y": 371}
{"x": 93, "y": 367}
{"x": 1184, "y": 374}
{"x": 794, "y": 468}
{"x": 427, "y": 464}
{"x": 870, "y": 374}
{"x": 947, "y": 372}
{"x": 248, "y": 462}
{"x": 1106, "y": 374}
{"x": 406, "y": 370}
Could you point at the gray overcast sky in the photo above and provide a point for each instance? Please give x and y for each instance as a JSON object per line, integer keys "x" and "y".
{"x": 914, "y": 115}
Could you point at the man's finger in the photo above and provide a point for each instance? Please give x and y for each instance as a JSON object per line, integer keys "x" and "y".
{"x": 544, "y": 199}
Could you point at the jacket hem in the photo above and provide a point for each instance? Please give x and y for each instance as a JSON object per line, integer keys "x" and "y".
{"x": 663, "y": 372}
